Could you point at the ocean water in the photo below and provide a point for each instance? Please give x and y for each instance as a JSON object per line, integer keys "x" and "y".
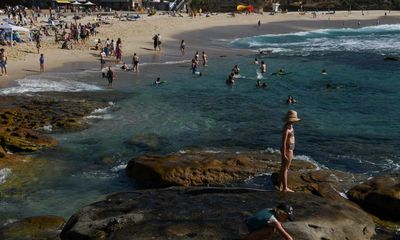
{"x": 352, "y": 126}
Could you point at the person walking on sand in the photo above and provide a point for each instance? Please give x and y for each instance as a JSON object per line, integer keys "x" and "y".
{"x": 3, "y": 62}
{"x": 38, "y": 45}
{"x": 287, "y": 149}
{"x": 118, "y": 51}
{"x": 135, "y": 61}
{"x": 41, "y": 61}
{"x": 155, "y": 42}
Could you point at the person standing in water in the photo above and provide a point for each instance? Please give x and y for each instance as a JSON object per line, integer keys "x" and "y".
{"x": 205, "y": 58}
{"x": 110, "y": 76}
{"x": 263, "y": 67}
{"x": 135, "y": 63}
{"x": 183, "y": 45}
{"x": 287, "y": 149}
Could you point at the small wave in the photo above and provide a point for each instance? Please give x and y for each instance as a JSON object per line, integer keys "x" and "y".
{"x": 102, "y": 117}
{"x": 4, "y": 173}
{"x": 382, "y": 39}
{"x": 44, "y": 85}
{"x": 101, "y": 113}
{"x": 311, "y": 160}
{"x": 272, "y": 150}
{"x": 166, "y": 63}
{"x": 119, "y": 167}
{"x": 46, "y": 128}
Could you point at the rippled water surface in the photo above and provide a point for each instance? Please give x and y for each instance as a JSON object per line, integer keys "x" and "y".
{"x": 351, "y": 125}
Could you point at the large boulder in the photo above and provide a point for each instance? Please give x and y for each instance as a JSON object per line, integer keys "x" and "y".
{"x": 211, "y": 213}
{"x": 203, "y": 168}
{"x": 41, "y": 227}
{"x": 326, "y": 183}
{"x": 380, "y": 196}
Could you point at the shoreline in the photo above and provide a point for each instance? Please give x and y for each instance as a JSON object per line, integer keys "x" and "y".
{"x": 197, "y": 35}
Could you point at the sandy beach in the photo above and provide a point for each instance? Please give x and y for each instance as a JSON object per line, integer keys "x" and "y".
{"x": 199, "y": 33}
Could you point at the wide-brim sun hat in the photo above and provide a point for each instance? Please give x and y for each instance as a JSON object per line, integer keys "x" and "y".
{"x": 291, "y": 116}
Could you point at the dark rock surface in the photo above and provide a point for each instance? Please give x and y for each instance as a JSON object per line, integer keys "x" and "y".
{"x": 40, "y": 227}
{"x": 202, "y": 168}
{"x": 324, "y": 183}
{"x": 380, "y": 196}
{"x": 211, "y": 213}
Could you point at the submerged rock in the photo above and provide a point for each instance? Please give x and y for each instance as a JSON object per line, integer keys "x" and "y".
{"x": 40, "y": 227}
{"x": 392, "y": 58}
{"x": 211, "y": 213}
{"x": 380, "y": 196}
{"x": 203, "y": 168}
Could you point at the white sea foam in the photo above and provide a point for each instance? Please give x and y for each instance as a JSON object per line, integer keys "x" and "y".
{"x": 102, "y": 113}
{"x": 44, "y": 85}
{"x": 382, "y": 39}
{"x": 119, "y": 167}
{"x": 272, "y": 150}
{"x": 259, "y": 75}
{"x": 165, "y": 63}
{"x": 311, "y": 160}
{"x": 46, "y": 128}
{"x": 4, "y": 173}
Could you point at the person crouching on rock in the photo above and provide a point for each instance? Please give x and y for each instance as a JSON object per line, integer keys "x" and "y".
{"x": 266, "y": 222}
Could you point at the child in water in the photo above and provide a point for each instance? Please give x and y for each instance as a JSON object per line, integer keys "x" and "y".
{"x": 287, "y": 150}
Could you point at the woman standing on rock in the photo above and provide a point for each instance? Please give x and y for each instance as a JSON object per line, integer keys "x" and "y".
{"x": 288, "y": 142}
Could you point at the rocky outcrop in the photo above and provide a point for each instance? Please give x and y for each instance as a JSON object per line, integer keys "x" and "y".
{"x": 203, "y": 168}
{"x": 211, "y": 213}
{"x": 380, "y": 196}
{"x": 25, "y": 120}
{"x": 325, "y": 183}
{"x": 41, "y": 227}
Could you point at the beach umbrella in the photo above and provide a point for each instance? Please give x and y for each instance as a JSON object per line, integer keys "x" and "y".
{"x": 8, "y": 27}
{"x": 75, "y": 3}
{"x": 89, "y": 3}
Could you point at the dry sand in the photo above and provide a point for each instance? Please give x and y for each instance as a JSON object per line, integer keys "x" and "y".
{"x": 198, "y": 32}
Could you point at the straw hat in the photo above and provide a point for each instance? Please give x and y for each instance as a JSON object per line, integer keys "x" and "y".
{"x": 291, "y": 116}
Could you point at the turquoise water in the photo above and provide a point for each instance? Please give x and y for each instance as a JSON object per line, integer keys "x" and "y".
{"x": 352, "y": 126}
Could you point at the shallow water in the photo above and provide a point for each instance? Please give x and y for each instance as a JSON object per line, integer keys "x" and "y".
{"x": 351, "y": 126}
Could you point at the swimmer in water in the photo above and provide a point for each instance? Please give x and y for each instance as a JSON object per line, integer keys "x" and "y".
{"x": 263, "y": 67}
{"x": 323, "y": 72}
{"x": 281, "y": 72}
{"x": 256, "y": 61}
{"x": 236, "y": 70}
{"x": 231, "y": 79}
{"x": 291, "y": 100}
{"x": 260, "y": 85}
{"x": 125, "y": 67}
{"x": 157, "y": 82}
